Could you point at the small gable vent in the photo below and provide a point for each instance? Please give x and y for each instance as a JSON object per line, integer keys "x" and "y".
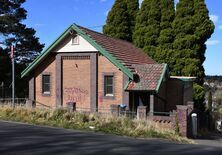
{"x": 75, "y": 40}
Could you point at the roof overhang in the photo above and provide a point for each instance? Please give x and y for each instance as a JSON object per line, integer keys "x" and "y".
{"x": 164, "y": 74}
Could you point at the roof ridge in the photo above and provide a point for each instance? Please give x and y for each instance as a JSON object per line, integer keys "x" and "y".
{"x": 105, "y": 35}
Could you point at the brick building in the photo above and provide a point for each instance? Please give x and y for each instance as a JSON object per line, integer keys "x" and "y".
{"x": 96, "y": 71}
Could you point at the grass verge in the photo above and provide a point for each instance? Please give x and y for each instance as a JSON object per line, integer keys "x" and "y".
{"x": 90, "y": 122}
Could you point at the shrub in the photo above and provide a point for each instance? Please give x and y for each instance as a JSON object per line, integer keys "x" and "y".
{"x": 89, "y": 121}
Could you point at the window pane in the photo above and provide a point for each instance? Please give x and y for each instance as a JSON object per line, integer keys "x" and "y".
{"x": 109, "y": 90}
{"x": 46, "y": 78}
{"x": 46, "y": 88}
{"x": 109, "y": 80}
{"x": 108, "y": 85}
{"x": 46, "y": 83}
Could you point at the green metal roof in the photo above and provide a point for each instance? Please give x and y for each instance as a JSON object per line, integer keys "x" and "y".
{"x": 74, "y": 27}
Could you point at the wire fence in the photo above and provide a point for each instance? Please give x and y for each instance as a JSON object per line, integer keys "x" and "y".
{"x": 9, "y": 102}
{"x": 5, "y": 92}
{"x": 120, "y": 112}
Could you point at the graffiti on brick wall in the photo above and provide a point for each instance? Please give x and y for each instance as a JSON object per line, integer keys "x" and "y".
{"x": 74, "y": 94}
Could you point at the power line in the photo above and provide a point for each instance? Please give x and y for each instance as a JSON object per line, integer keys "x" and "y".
{"x": 96, "y": 26}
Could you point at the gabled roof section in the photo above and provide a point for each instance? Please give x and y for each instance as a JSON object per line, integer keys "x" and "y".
{"x": 45, "y": 52}
{"x": 125, "y": 52}
{"x": 150, "y": 77}
{"x": 121, "y": 53}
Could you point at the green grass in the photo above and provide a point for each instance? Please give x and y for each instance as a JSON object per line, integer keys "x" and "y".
{"x": 89, "y": 122}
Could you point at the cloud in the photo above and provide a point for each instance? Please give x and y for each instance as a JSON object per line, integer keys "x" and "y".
{"x": 214, "y": 18}
{"x": 212, "y": 42}
{"x": 220, "y": 27}
{"x": 39, "y": 25}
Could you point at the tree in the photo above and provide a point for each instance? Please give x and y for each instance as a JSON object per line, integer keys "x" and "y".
{"x": 184, "y": 39}
{"x": 164, "y": 52}
{"x": 209, "y": 111}
{"x": 132, "y": 10}
{"x": 192, "y": 27}
{"x": 121, "y": 19}
{"x": 198, "y": 96}
{"x": 204, "y": 28}
{"x": 210, "y": 102}
{"x": 147, "y": 27}
{"x": 14, "y": 32}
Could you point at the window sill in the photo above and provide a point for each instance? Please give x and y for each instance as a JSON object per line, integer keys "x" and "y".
{"x": 46, "y": 94}
{"x": 110, "y": 97}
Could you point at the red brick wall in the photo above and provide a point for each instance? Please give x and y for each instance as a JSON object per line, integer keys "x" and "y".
{"x": 105, "y": 66}
{"x": 47, "y": 66}
{"x": 76, "y": 82}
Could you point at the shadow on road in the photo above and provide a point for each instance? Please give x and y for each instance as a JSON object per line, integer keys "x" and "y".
{"x": 26, "y": 139}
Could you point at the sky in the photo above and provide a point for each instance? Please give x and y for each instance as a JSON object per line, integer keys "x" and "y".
{"x": 51, "y": 17}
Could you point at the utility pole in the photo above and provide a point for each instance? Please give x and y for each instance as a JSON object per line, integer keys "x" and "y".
{"x": 13, "y": 76}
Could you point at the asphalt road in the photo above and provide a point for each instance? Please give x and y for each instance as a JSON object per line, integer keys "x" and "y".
{"x": 17, "y": 138}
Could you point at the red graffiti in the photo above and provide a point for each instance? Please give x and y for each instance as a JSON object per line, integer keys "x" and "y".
{"x": 74, "y": 94}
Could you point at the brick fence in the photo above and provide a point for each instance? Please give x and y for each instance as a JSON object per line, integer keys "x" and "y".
{"x": 180, "y": 118}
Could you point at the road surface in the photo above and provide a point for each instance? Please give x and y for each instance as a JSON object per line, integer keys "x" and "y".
{"x": 18, "y": 138}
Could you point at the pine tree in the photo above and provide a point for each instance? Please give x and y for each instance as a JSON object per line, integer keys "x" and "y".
{"x": 132, "y": 10}
{"x": 184, "y": 40}
{"x": 147, "y": 27}
{"x": 204, "y": 28}
{"x": 192, "y": 27}
{"x": 118, "y": 21}
{"x": 164, "y": 52}
{"x": 14, "y": 32}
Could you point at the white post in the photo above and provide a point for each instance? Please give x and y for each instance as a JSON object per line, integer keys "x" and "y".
{"x": 194, "y": 124}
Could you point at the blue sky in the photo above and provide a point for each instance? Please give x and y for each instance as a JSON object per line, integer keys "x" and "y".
{"x": 51, "y": 17}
